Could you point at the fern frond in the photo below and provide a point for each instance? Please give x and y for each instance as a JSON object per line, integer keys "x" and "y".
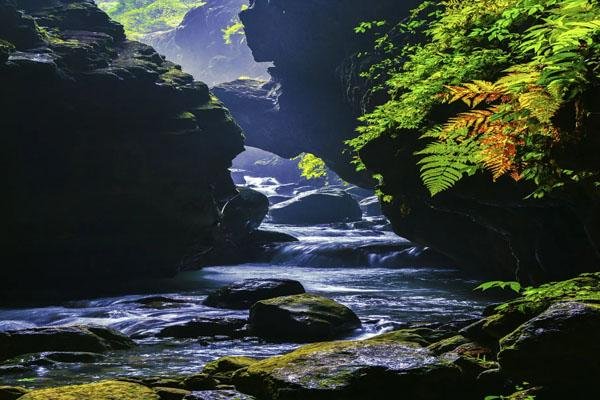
{"x": 444, "y": 165}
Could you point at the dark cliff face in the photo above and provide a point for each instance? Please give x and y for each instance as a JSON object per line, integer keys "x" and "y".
{"x": 308, "y": 42}
{"x": 115, "y": 160}
{"x": 312, "y": 103}
{"x": 198, "y": 44}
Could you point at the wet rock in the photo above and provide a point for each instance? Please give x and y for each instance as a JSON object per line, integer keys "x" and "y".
{"x": 73, "y": 357}
{"x": 160, "y": 302}
{"x": 169, "y": 393}
{"x": 106, "y": 390}
{"x": 231, "y": 327}
{"x": 243, "y": 294}
{"x": 92, "y": 339}
{"x": 320, "y": 206}
{"x": 218, "y": 395}
{"x": 262, "y": 237}
{"x": 301, "y": 318}
{"x": 558, "y": 347}
{"x": 371, "y": 206}
{"x": 12, "y": 392}
{"x": 353, "y": 370}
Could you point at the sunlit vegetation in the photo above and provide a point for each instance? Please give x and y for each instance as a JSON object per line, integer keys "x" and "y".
{"x": 141, "y": 17}
{"x": 311, "y": 166}
{"x": 235, "y": 29}
{"x": 514, "y": 75}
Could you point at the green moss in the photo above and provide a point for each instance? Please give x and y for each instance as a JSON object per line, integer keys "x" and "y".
{"x": 140, "y": 17}
{"x": 448, "y": 344}
{"x": 107, "y": 390}
{"x": 227, "y": 364}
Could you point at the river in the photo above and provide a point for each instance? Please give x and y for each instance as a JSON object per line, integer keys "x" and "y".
{"x": 375, "y": 273}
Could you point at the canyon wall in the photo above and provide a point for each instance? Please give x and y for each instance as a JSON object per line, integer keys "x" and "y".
{"x": 116, "y": 161}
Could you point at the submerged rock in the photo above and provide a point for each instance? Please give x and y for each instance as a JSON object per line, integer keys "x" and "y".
{"x": 92, "y": 339}
{"x": 560, "y": 346}
{"x": 218, "y": 395}
{"x": 243, "y": 294}
{"x": 320, "y": 206}
{"x": 107, "y": 390}
{"x": 302, "y": 318}
{"x": 230, "y": 327}
{"x": 374, "y": 368}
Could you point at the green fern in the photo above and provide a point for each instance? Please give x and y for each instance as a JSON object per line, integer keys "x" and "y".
{"x": 443, "y": 165}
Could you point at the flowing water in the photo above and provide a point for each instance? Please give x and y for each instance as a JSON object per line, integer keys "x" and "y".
{"x": 376, "y": 274}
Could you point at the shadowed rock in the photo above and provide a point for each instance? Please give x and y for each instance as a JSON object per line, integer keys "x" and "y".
{"x": 62, "y": 339}
{"x": 232, "y": 327}
{"x": 243, "y": 294}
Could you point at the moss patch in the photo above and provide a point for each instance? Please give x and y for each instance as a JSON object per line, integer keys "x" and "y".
{"x": 107, "y": 390}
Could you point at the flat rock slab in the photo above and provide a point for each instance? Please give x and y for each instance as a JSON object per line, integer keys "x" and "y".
{"x": 93, "y": 339}
{"x": 107, "y": 390}
{"x": 243, "y": 294}
{"x": 231, "y": 327}
{"x": 351, "y": 370}
{"x": 301, "y": 318}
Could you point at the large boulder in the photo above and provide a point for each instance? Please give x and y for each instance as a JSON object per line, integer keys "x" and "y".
{"x": 500, "y": 320}
{"x": 92, "y": 339}
{"x": 319, "y": 206}
{"x": 559, "y": 346}
{"x": 243, "y": 294}
{"x": 301, "y": 318}
{"x": 244, "y": 212}
{"x": 388, "y": 366}
{"x": 107, "y": 390}
{"x": 206, "y": 326}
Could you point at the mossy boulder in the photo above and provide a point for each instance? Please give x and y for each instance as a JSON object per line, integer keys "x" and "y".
{"x": 301, "y": 318}
{"x": 12, "y": 392}
{"x": 222, "y": 369}
{"x": 91, "y": 339}
{"x": 352, "y": 370}
{"x": 243, "y": 294}
{"x": 558, "y": 347}
{"x": 107, "y": 390}
{"x": 505, "y": 318}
